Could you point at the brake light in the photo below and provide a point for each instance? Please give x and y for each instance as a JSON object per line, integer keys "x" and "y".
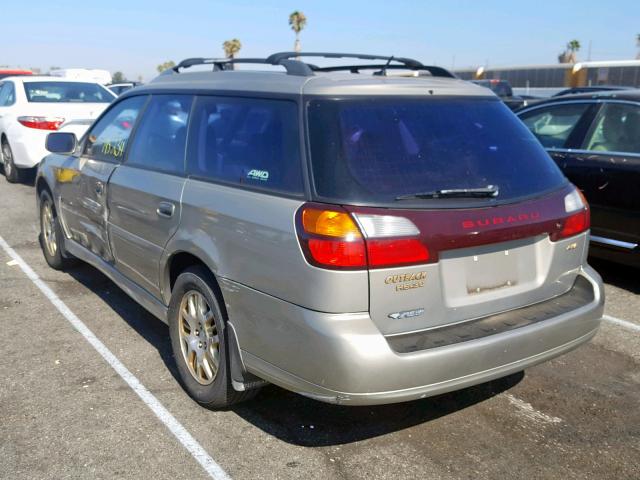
{"x": 42, "y": 123}
{"x": 579, "y": 219}
{"x": 333, "y": 238}
{"x": 401, "y": 251}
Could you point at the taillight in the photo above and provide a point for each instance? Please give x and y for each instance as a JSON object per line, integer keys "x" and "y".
{"x": 333, "y": 238}
{"x": 579, "y": 219}
{"x": 399, "y": 251}
{"x": 330, "y": 238}
{"x": 42, "y": 123}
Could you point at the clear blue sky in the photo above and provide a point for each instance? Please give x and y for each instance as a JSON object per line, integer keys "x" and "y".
{"x": 134, "y": 36}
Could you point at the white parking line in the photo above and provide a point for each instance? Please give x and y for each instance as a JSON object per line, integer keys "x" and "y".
{"x": 184, "y": 437}
{"x": 622, "y": 323}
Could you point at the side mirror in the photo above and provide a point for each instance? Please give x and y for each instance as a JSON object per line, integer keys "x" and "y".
{"x": 61, "y": 142}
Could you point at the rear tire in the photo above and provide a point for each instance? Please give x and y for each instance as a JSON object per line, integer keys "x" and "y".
{"x": 51, "y": 236}
{"x": 198, "y": 330}
{"x": 12, "y": 173}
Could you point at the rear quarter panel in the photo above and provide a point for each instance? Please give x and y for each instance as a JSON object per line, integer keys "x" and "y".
{"x": 249, "y": 238}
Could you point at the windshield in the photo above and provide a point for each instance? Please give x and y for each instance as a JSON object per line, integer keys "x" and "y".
{"x": 67, "y": 92}
{"x": 365, "y": 150}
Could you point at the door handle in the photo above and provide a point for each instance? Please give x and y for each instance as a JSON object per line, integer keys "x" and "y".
{"x": 165, "y": 209}
{"x": 99, "y": 188}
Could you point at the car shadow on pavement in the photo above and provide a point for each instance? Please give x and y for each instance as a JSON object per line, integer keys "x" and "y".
{"x": 621, "y": 276}
{"x": 287, "y": 416}
{"x": 28, "y": 176}
{"x": 302, "y": 421}
{"x": 153, "y": 330}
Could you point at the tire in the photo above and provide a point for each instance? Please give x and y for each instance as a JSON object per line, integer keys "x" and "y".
{"x": 199, "y": 340}
{"x": 51, "y": 236}
{"x": 12, "y": 173}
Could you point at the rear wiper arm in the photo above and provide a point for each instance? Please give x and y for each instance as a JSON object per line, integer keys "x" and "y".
{"x": 489, "y": 191}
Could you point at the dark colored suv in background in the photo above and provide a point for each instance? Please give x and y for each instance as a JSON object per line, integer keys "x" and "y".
{"x": 595, "y": 140}
{"x": 355, "y": 238}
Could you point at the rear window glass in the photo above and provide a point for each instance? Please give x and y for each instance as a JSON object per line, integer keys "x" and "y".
{"x": 376, "y": 150}
{"x": 67, "y": 92}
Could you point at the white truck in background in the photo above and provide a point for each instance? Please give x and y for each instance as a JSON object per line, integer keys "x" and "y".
{"x": 102, "y": 77}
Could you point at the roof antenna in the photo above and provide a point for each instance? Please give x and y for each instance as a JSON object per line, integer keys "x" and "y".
{"x": 383, "y": 70}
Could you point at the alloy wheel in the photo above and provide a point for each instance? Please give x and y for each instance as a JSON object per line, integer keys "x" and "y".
{"x": 48, "y": 228}
{"x": 199, "y": 340}
{"x": 7, "y": 159}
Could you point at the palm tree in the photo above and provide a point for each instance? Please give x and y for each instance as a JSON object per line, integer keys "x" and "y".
{"x": 231, "y": 49}
{"x": 573, "y": 47}
{"x": 569, "y": 54}
{"x": 297, "y": 21}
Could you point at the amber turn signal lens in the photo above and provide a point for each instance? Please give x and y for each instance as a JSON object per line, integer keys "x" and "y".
{"x": 329, "y": 223}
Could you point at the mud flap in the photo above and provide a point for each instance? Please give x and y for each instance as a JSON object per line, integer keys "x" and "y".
{"x": 241, "y": 380}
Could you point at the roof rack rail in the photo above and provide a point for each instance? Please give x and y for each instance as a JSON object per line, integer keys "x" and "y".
{"x": 405, "y": 63}
{"x": 434, "y": 71}
{"x": 294, "y": 66}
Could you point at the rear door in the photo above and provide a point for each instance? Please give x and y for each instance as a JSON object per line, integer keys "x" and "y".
{"x": 82, "y": 180}
{"x": 560, "y": 126}
{"x": 145, "y": 192}
{"x": 609, "y": 154}
{"x": 599, "y": 152}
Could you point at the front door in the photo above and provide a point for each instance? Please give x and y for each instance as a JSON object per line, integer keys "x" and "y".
{"x": 84, "y": 179}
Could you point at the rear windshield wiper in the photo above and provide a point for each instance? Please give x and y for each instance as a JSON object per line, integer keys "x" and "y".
{"x": 489, "y": 191}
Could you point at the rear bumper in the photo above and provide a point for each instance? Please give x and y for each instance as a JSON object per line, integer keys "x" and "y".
{"x": 343, "y": 358}
{"x": 27, "y": 146}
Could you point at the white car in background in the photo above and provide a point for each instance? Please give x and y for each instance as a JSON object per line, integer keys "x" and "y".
{"x": 31, "y": 107}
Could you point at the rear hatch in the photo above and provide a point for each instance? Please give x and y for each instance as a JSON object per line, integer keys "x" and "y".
{"x": 462, "y": 212}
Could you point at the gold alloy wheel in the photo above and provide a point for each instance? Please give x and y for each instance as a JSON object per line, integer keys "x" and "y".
{"x": 199, "y": 341}
{"x": 48, "y": 228}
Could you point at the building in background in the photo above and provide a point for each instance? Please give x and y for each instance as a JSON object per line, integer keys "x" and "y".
{"x": 556, "y": 76}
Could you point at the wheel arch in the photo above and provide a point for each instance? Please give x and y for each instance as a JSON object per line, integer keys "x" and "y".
{"x": 176, "y": 262}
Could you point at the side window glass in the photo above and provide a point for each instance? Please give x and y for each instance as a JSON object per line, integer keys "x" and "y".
{"x": 4, "y": 94}
{"x": 615, "y": 129}
{"x": 108, "y": 138}
{"x": 7, "y": 94}
{"x": 11, "y": 94}
{"x": 161, "y": 137}
{"x": 252, "y": 142}
{"x": 553, "y": 125}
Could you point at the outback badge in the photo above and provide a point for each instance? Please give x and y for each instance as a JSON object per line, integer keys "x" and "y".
{"x": 406, "y": 281}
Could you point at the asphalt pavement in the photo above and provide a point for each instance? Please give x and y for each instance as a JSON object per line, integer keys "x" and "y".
{"x": 65, "y": 412}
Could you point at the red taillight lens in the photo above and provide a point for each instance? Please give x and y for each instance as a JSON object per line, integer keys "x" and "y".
{"x": 338, "y": 253}
{"x": 401, "y": 251}
{"x": 575, "y": 224}
{"x": 42, "y": 123}
{"x": 579, "y": 219}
